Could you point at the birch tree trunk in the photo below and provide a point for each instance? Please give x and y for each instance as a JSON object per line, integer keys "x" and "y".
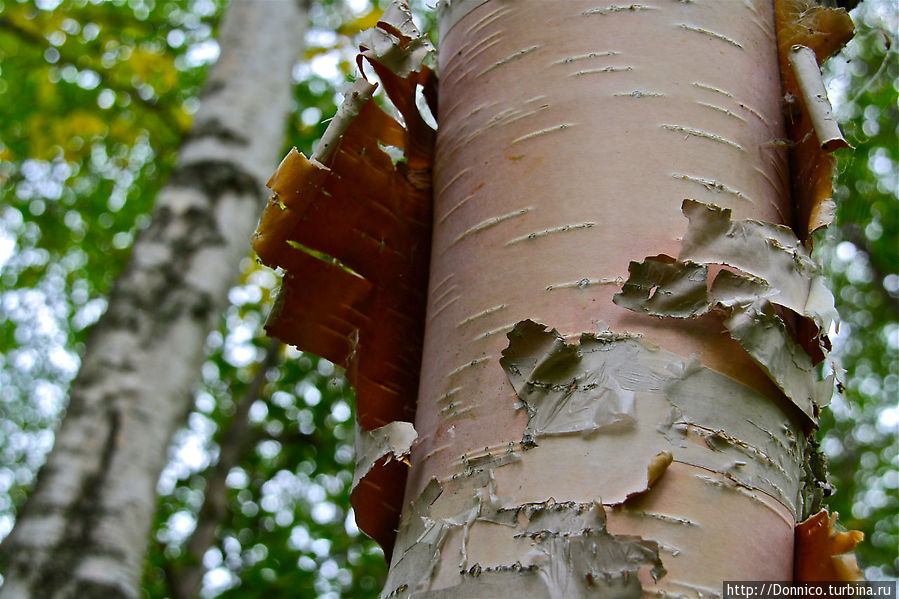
{"x": 624, "y": 452}
{"x": 83, "y": 531}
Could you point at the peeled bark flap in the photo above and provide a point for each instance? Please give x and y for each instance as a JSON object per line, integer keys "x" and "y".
{"x": 563, "y": 550}
{"x": 363, "y": 212}
{"x": 776, "y": 269}
{"x": 419, "y": 540}
{"x": 351, "y": 229}
{"x": 771, "y": 253}
{"x": 751, "y": 320}
{"x": 825, "y": 31}
{"x": 382, "y": 458}
{"x": 598, "y": 386}
{"x": 560, "y": 393}
{"x": 823, "y": 553}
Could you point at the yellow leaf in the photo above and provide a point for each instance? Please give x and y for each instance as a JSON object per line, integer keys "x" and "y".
{"x": 84, "y": 124}
{"x": 124, "y": 131}
{"x": 183, "y": 118}
{"x": 157, "y": 70}
{"x": 366, "y": 21}
{"x": 315, "y": 51}
{"x": 48, "y": 133}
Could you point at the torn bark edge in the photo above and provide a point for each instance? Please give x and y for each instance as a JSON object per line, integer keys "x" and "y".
{"x": 392, "y": 441}
{"x": 382, "y": 464}
{"x": 776, "y": 269}
{"x": 655, "y": 470}
{"x": 559, "y": 544}
{"x": 657, "y": 467}
{"x": 815, "y": 480}
{"x": 579, "y": 405}
{"x": 395, "y": 43}
{"x": 822, "y": 552}
{"x": 824, "y": 31}
{"x": 395, "y": 50}
{"x": 771, "y": 254}
{"x": 755, "y": 444}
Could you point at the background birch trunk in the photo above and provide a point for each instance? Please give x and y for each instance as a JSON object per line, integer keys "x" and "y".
{"x": 83, "y": 531}
{"x": 570, "y": 135}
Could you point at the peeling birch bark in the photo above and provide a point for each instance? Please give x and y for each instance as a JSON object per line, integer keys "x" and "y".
{"x": 753, "y": 443}
{"x": 355, "y": 293}
{"x": 382, "y": 462}
{"x": 83, "y": 531}
{"x": 570, "y": 134}
{"x": 814, "y": 98}
{"x": 675, "y": 440}
{"x": 822, "y": 552}
{"x": 824, "y": 31}
{"x": 391, "y": 442}
{"x": 774, "y": 268}
{"x": 561, "y": 550}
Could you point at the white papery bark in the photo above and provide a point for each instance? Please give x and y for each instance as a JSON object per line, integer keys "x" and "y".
{"x": 83, "y": 531}
{"x": 578, "y": 462}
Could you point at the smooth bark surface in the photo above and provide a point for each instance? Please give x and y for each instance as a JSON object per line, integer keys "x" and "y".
{"x": 83, "y": 531}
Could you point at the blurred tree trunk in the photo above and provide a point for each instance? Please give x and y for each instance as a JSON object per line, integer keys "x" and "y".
{"x": 570, "y": 135}
{"x": 83, "y": 531}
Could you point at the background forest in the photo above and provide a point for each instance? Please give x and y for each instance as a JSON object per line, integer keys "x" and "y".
{"x": 95, "y": 98}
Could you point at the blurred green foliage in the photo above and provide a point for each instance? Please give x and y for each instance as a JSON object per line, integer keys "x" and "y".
{"x": 96, "y": 96}
{"x": 861, "y": 254}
